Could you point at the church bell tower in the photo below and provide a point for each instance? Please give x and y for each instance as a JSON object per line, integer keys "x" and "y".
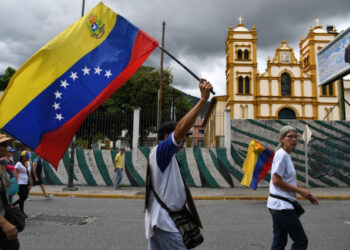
{"x": 241, "y": 70}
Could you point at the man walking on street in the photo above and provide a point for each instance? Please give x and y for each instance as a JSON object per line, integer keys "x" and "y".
{"x": 118, "y": 167}
{"x": 167, "y": 182}
{"x": 37, "y": 175}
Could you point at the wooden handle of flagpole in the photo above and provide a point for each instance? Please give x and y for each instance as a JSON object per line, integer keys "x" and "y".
{"x": 187, "y": 69}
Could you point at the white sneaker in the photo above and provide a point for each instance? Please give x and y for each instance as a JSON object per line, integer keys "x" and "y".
{"x": 48, "y": 196}
{"x": 28, "y": 198}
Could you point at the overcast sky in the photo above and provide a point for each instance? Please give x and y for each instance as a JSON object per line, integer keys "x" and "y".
{"x": 195, "y": 29}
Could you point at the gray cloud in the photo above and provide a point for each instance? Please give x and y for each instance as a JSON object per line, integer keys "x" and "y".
{"x": 195, "y": 30}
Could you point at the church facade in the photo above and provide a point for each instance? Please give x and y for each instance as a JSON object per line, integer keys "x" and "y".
{"x": 288, "y": 87}
{"x": 286, "y": 90}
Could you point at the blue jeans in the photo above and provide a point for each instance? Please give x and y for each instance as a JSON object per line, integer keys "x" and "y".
{"x": 287, "y": 222}
{"x": 163, "y": 240}
{"x": 119, "y": 177}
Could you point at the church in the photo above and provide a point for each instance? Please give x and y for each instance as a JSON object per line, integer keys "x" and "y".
{"x": 286, "y": 90}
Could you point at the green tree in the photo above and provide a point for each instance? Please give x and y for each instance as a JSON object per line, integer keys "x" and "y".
{"x": 141, "y": 90}
{"x": 4, "y": 80}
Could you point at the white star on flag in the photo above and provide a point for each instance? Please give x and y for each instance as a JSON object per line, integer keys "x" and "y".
{"x": 59, "y": 117}
{"x": 56, "y": 105}
{"x": 64, "y": 84}
{"x": 86, "y": 71}
{"x": 108, "y": 73}
{"x": 98, "y": 70}
{"x": 73, "y": 75}
{"x": 57, "y": 95}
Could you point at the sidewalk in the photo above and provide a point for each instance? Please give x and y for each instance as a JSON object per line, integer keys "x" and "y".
{"x": 197, "y": 193}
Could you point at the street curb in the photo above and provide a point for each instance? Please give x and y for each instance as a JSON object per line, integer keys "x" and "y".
{"x": 141, "y": 197}
{"x": 104, "y": 196}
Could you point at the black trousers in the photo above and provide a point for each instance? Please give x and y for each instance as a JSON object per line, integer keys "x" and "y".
{"x": 23, "y": 195}
{"x": 286, "y": 222}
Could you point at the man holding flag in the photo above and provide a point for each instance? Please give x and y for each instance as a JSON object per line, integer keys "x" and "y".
{"x": 166, "y": 179}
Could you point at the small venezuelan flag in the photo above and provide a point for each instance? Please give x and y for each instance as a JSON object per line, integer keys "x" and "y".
{"x": 50, "y": 96}
{"x": 256, "y": 165}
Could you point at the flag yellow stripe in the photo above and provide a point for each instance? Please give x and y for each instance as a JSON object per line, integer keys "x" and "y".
{"x": 254, "y": 150}
{"x": 51, "y": 61}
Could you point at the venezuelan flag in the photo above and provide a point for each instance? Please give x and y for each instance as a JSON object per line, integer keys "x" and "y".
{"x": 50, "y": 96}
{"x": 257, "y": 164}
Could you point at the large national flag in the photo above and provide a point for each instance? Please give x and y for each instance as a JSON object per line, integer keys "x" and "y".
{"x": 257, "y": 164}
{"x": 50, "y": 96}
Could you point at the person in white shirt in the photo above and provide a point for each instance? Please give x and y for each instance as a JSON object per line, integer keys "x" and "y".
{"x": 283, "y": 183}
{"x": 161, "y": 231}
{"x": 22, "y": 176}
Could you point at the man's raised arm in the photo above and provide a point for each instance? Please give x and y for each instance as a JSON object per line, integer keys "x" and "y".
{"x": 186, "y": 123}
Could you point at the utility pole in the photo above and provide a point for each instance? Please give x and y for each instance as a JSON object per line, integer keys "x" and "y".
{"x": 161, "y": 81}
{"x": 306, "y": 158}
{"x": 342, "y": 100}
{"x": 173, "y": 118}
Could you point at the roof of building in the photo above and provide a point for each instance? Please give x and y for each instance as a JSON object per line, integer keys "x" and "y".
{"x": 241, "y": 28}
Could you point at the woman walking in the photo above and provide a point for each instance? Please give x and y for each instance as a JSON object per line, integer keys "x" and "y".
{"x": 283, "y": 188}
{"x": 22, "y": 176}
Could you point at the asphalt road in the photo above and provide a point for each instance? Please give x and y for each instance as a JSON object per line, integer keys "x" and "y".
{"x": 81, "y": 223}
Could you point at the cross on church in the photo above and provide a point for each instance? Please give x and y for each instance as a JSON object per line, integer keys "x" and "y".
{"x": 317, "y": 21}
{"x": 240, "y": 19}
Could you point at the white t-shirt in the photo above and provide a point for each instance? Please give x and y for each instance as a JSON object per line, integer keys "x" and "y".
{"x": 168, "y": 184}
{"x": 283, "y": 166}
{"x": 22, "y": 175}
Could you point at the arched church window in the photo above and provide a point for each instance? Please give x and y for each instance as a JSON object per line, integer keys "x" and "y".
{"x": 240, "y": 85}
{"x": 239, "y": 54}
{"x": 247, "y": 85}
{"x": 285, "y": 84}
{"x": 246, "y": 54}
{"x": 286, "y": 113}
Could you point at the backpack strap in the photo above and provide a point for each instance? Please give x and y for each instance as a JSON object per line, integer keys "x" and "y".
{"x": 149, "y": 184}
{"x": 282, "y": 198}
{"x": 192, "y": 207}
{"x": 3, "y": 194}
{"x": 189, "y": 200}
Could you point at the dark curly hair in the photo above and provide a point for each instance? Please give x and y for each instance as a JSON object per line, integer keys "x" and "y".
{"x": 166, "y": 128}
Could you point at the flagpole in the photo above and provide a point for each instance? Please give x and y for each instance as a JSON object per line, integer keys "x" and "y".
{"x": 181, "y": 64}
{"x": 82, "y": 9}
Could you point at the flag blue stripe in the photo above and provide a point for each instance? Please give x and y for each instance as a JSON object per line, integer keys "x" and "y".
{"x": 259, "y": 166}
{"x": 39, "y": 116}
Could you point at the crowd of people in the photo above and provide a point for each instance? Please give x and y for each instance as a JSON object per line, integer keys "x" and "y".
{"x": 166, "y": 192}
{"x": 16, "y": 179}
